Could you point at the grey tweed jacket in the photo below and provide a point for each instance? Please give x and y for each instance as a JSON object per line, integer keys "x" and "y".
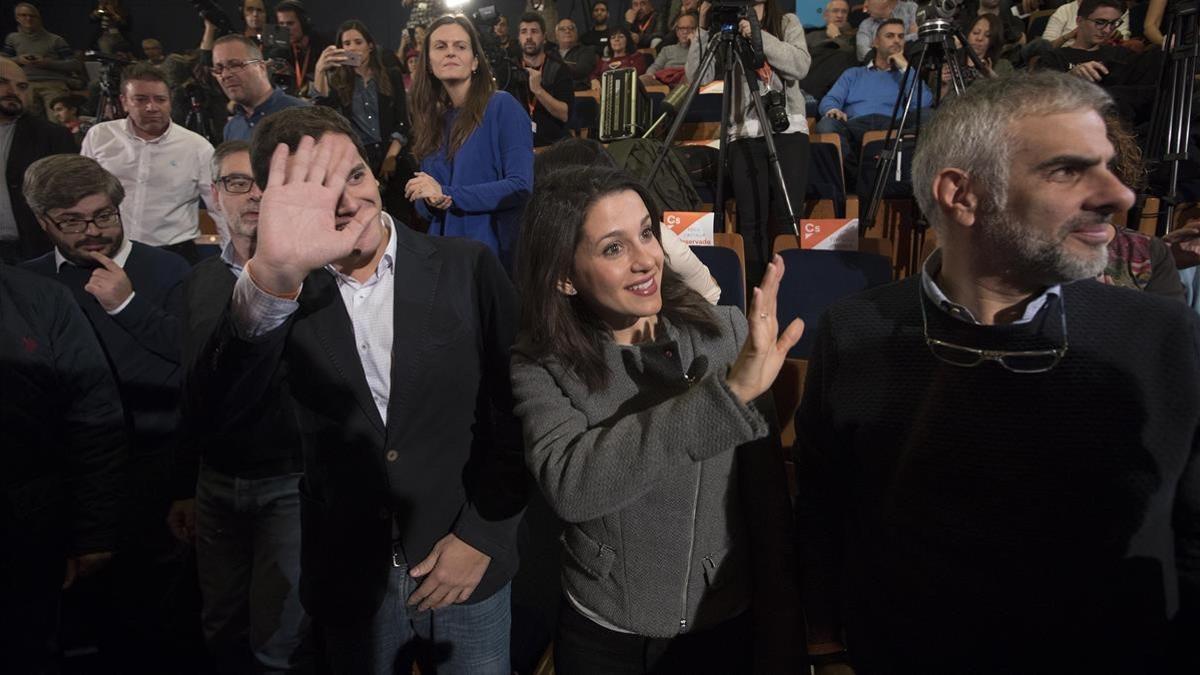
{"x": 673, "y": 492}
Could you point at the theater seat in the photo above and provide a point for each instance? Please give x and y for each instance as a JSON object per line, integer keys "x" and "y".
{"x": 813, "y": 280}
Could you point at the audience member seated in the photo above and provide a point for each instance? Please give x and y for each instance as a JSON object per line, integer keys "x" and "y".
{"x": 862, "y": 99}
{"x": 351, "y": 79}
{"x": 1012, "y": 28}
{"x": 837, "y": 31}
{"x": 237, "y": 493}
{"x": 1061, "y": 28}
{"x": 598, "y": 35}
{"x": 879, "y": 11}
{"x": 579, "y": 58}
{"x": 915, "y": 525}
{"x": 239, "y": 68}
{"x": 832, "y": 50}
{"x": 24, "y": 139}
{"x": 984, "y": 41}
{"x": 547, "y": 90}
{"x": 620, "y": 56}
{"x": 645, "y": 23}
{"x": 46, "y": 58}
{"x": 670, "y": 65}
{"x": 678, "y": 9}
{"x": 1128, "y": 76}
{"x": 163, "y": 166}
{"x": 132, "y": 295}
{"x": 64, "y": 449}
{"x": 474, "y": 143}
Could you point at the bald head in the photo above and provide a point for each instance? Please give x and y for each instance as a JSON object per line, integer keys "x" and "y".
{"x": 14, "y": 90}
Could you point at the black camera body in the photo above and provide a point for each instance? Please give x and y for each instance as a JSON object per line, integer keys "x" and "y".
{"x": 506, "y": 73}
{"x": 775, "y": 105}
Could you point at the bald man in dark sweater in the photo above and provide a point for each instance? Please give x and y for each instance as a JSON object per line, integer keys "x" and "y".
{"x": 998, "y": 457}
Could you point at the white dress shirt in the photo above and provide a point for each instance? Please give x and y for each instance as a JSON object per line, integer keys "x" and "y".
{"x": 162, "y": 178}
{"x": 370, "y": 304}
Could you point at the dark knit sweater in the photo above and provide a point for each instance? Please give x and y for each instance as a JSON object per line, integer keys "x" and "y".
{"x": 261, "y": 443}
{"x": 141, "y": 341}
{"x": 965, "y": 520}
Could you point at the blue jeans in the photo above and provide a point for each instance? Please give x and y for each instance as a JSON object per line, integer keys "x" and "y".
{"x": 456, "y": 640}
{"x": 248, "y": 557}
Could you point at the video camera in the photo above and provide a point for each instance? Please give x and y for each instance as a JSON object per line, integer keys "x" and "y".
{"x": 504, "y": 70}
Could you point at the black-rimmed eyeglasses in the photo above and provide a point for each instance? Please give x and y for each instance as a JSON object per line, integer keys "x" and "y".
{"x": 1101, "y": 24}
{"x": 1017, "y": 361}
{"x": 233, "y": 66}
{"x": 236, "y": 184}
{"x": 76, "y": 225}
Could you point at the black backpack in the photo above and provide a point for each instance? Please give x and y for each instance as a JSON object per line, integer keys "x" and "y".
{"x": 672, "y": 186}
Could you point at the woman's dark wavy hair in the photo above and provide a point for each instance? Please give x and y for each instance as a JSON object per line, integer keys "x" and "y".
{"x": 995, "y": 35}
{"x": 342, "y": 79}
{"x": 557, "y": 325}
{"x": 629, "y": 46}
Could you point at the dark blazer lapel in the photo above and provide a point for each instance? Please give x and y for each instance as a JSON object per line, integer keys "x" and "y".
{"x": 325, "y": 312}
{"x": 418, "y": 271}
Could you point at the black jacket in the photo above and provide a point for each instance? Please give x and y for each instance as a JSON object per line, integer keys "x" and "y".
{"x": 64, "y": 433}
{"x": 32, "y": 140}
{"x": 393, "y": 110}
{"x": 448, "y": 460}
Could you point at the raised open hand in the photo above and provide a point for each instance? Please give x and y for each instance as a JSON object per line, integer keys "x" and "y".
{"x": 298, "y": 228}
{"x": 765, "y": 348}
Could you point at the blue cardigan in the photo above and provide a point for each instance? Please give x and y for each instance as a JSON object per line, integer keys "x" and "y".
{"x": 489, "y": 179}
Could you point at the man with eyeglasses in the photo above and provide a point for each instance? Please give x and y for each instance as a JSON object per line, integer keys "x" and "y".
{"x": 237, "y": 493}
{"x": 132, "y": 296}
{"x": 239, "y": 68}
{"x": 1060, "y": 29}
{"x": 980, "y": 492}
{"x": 1127, "y": 76}
{"x": 580, "y": 59}
{"x": 163, "y": 166}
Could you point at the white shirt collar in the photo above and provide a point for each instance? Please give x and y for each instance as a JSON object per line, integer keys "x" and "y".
{"x": 119, "y": 257}
{"x": 387, "y": 264}
{"x": 929, "y": 272}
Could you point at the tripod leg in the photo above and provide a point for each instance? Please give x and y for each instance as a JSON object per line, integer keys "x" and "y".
{"x": 908, "y": 87}
{"x": 769, "y": 137}
{"x": 693, "y": 87}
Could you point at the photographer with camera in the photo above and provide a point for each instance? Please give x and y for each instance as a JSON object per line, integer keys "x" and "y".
{"x": 305, "y": 46}
{"x": 352, "y": 80}
{"x": 786, "y": 63}
{"x": 254, "y": 13}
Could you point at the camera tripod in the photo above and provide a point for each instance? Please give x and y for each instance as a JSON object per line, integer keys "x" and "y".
{"x": 1171, "y": 120}
{"x": 938, "y": 49}
{"x": 731, "y": 50}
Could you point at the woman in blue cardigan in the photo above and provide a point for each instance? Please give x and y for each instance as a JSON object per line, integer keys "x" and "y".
{"x": 475, "y": 144}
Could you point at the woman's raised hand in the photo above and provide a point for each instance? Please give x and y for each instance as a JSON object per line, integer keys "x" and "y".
{"x": 765, "y": 348}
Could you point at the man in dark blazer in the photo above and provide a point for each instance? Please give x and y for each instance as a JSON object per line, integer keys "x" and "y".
{"x": 24, "y": 139}
{"x": 64, "y": 443}
{"x": 397, "y": 351}
{"x": 132, "y": 296}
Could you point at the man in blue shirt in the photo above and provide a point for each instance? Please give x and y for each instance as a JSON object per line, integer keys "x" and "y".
{"x": 879, "y": 11}
{"x": 240, "y": 69}
{"x": 862, "y": 98}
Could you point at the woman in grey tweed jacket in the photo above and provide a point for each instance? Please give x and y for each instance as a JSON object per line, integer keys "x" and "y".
{"x": 649, "y": 427}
